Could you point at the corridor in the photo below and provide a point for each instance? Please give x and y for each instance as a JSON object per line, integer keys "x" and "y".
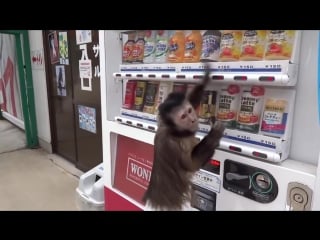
{"x": 33, "y": 179}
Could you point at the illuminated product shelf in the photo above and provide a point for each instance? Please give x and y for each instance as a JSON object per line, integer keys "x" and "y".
{"x": 259, "y": 146}
{"x": 275, "y": 73}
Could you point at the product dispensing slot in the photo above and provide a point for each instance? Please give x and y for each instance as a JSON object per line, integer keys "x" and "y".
{"x": 241, "y": 78}
{"x": 217, "y": 77}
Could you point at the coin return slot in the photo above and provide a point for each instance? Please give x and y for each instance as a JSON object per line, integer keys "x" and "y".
{"x": 263, "y": 181}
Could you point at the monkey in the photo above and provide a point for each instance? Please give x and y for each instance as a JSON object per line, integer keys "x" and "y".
{"x": 178, "y": 154}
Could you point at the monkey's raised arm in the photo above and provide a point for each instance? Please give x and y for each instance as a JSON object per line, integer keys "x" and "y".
{"x": 196, "y": 94}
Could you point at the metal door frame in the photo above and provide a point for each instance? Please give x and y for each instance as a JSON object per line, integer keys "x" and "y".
{"x": 26, "y": 85}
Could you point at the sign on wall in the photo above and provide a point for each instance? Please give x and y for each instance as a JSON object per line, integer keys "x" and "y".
{"x": 87, "y": 118}
{"x": 53, "y": 46}
{"x": 83, "y": 36}
{"x": 37, "y": 61}
{"x": 85, "y": 69}
{"x": 61, "y": 80}
{"x": 63, "y": 48}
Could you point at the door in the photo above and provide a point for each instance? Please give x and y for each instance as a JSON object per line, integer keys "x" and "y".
{"x": 74, "y": 85}
{"x": 84, "y": 46}
{"x": 60, "y": 86}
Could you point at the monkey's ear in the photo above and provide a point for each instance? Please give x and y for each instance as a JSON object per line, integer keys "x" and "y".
{"x": 196, "y": 94}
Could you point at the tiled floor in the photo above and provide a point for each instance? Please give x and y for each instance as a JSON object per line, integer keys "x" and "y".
{"x": 32, "y": 179}
{"x": 11, "y": 137}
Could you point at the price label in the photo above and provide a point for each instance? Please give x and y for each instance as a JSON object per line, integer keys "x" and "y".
{"x": 207, "y": 180}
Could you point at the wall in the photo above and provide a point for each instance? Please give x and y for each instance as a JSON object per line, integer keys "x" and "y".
{"x": 305, "y": 145}
{"x": 9, "y": 80}
{"x": 40, "y": 94}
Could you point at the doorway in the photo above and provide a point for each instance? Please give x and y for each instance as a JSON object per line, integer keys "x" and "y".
{"x": 16, "y": 85}
{"x": 73, "y": 81}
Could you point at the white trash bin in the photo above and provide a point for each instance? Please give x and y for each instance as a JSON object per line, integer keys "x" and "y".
{"x": 90, "y": 192}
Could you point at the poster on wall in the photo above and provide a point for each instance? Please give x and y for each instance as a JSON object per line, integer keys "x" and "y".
{"x": 61, "y": 80}
{"x": 37, "y": 61}
{"x": 63, "y": 48}
{"x": 87, "y": 118}
{"x": 85, "y": 69}
{"x": 53, "y": 46}
{"x": 83, "y": 36}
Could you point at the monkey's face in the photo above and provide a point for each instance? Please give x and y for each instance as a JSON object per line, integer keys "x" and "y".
{"x": 185, "y": 117}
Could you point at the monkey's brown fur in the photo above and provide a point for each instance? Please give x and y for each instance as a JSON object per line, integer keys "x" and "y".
{"x": 177, "y": 156}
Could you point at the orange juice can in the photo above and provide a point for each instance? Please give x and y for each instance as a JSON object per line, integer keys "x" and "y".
{"x": 176, "y": 47}
{"x": 193, "y": 46}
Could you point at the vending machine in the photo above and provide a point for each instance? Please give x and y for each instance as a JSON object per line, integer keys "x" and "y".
{"x": 263, "y": 87}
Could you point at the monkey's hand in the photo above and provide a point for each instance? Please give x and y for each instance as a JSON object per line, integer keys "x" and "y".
{"x": 216, "y": 133}
{"x": 196, "y": 94}
{"x": 205, "y": 149}
{"x": 212, "y": 121}
{"x": 206, "y": 77}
